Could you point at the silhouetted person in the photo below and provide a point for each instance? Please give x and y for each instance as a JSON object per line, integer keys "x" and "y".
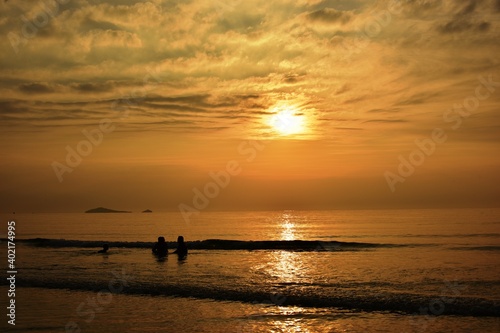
{"x": 160, "y": 248}
{"x": 182, "y": 249}
{"x": 105, "y": 249}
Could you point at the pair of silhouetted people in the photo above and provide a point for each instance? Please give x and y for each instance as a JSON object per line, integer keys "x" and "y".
{"x": 161, "y": 248}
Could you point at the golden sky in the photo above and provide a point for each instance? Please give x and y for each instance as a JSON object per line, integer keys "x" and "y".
{"x": 313, "y": 104}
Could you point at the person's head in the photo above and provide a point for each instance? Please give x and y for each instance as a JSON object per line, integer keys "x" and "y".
{"x": 161, "y": 239}
{"x": 180, "y": 239}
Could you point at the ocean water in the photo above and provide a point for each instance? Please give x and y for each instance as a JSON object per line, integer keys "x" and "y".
{"x": 288, "y": 271}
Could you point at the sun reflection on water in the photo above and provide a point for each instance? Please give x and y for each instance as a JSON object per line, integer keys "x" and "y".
{"x": 287, "y": 228}
{"x": 290, "y": 325}
{"x": 285, "y": 267}
{"x": 287, "y": 272}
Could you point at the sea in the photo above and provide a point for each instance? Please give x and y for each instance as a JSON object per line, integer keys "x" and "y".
{"x": 426, "y": 270}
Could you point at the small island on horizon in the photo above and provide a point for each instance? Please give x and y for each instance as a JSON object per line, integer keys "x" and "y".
{"x": 105, "y": 210}
{"x": 147, "y": 211}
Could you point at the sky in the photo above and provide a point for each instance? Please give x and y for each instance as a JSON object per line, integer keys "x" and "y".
{"x": 227, "y": 105}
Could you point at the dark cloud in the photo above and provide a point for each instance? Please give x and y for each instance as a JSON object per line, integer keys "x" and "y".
{"x": 330, "y": 15}
{"x": 36, "y": 88}
{"x": 460, "y": 25}
{"x": 292, "y": 78}
{"x": 174, "y": 107}
{"x": 47, "y": 113}
{"x": 463, "y": 19}
{"x": 454, "y": 26}
{"x": 469, "y": 8}
{"x": 201, "y": 102}
{"x": 12, "y": 107}
{"x": 90, "y": 24}
{"x": 199, "y": 99}
{"x": 248, "y": 96}
{"x": 242, "y": 23}
{"x": 176, "y": 125}
{"x": 92, "y": 87}
{"x": 383, "y": 110}
{"x": 419, "y": 98}
{"x": 483, "y": 26}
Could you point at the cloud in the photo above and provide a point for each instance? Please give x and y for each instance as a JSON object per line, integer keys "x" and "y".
{"x": 419, "y": 98}
{"x": 459, "y": 24}
{"x": 241, "y": 60}
{"x": 13, "y": 107}
{"x": 239, "y": 22}
{"x": 330, "y": 15}
{"x": 36, "y": 88}
{"x": 90, "y": 24}
{"x": 466, "y": 16}
{"x": 388, "y": 110}
{"x": 468, "y": 8}
{"x": 92, "y": 87}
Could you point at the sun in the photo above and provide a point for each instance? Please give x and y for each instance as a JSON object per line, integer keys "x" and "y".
{"x": 287, "y": 121}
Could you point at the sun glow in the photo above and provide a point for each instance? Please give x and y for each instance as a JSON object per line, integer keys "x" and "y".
{"x": 287, "y": 121}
